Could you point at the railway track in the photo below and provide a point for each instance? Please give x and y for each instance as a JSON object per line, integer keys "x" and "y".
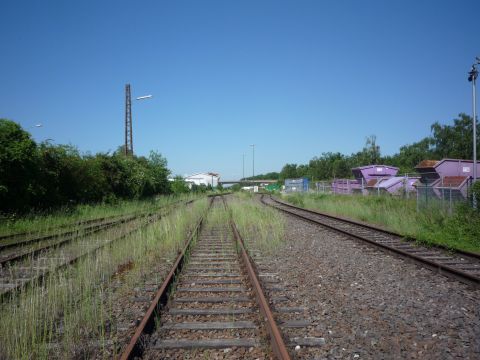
{"x": 32, "y": 264}
{"x": 462, "y": 266}
{"x": 26, "y": 248}
{"x": 30, "y": 247}
{"x": 212, "y": 304}
{"x": 72, "y": 230}
{"x": 15, "y": 239}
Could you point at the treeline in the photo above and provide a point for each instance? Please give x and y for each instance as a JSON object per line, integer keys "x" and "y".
{"x": 267, "y": 176}
{"x": 45, "y": 176}
{"x": 447, "y": 141}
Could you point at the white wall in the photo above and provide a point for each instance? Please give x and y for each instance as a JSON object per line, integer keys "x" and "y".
{"x": 205, "y": 179}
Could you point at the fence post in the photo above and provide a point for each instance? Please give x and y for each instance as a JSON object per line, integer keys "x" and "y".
{"x": 418, "y": 195}
{"x": 450, "y": 209}
{"x": 426, "y": 197}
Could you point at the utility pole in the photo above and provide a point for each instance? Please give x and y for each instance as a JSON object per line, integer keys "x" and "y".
{"x": 253, "y": 161}
{"x": 243, "y": 167}
{"x": 128, "y": 119}
{"x": 128, "y": 122}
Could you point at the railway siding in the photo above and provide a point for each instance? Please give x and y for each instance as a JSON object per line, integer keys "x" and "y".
{"x": 216, "y": 308}
{"x": 368, "y": 304}
{"x": 462, "y": 266}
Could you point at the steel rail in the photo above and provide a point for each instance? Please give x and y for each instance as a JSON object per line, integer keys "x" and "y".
{"x": 113, "y": 220}
{"x": 135, "y": 347}
{"x": 74, "y": 235}
{"x": 76, "y": 223}
{"x": 278, "y": 345}
{"x": 376, "y": 228}
{"x": 66, "y": 233}
{"x": 436, "y": 266}
{"x": 90, "y": 230}
{"x": 72, "y": 261}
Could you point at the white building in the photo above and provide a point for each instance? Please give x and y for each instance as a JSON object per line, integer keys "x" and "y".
{"x": 206, "y": 178}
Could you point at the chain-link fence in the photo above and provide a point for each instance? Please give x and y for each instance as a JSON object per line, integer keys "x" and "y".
{"x": 444, "y": 198}
{"x": 436, "y": 194}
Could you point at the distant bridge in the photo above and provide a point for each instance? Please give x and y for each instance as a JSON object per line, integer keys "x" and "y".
{"x": 247, "y": 182}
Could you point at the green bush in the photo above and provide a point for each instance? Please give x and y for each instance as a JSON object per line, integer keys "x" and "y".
{"x": 48, "y": 176}
{"x": 475, "y": 191}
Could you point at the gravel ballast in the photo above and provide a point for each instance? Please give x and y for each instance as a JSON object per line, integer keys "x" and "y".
{"x": 367, "y": 304}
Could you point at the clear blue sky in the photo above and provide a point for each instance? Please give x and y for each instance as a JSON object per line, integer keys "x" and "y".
{"x": 296, "y": 78}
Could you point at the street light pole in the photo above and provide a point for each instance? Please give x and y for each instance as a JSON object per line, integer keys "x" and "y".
{"x": 472, "y": 77}
{"x": 128, "y": 119}
{"x": 243, "y": 167}
{"x": 253, "y": 161}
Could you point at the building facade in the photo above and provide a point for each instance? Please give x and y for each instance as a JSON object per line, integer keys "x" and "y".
{"x": 205, "y": 178}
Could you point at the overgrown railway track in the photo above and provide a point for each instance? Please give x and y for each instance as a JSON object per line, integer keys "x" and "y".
{"x": 22, "y": 238}
{"x": 23, "y": 265}
{"x": 69, "y": 231}
{"x": 461, "y": 265}
{"x": 211, "y": 304}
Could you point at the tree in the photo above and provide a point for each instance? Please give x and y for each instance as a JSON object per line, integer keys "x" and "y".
{"x": 411, "y": 155}
{"x": 289, "y": 171}
{"x": 454, "y": 141}
{"x": 17, "y": 167}
{"x": 371, "y": 151}
{"x": 178, "y": 185}
{"x": 159, "y": 172}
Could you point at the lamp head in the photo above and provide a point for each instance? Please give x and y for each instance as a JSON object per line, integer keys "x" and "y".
{"x": 473, "y": 74}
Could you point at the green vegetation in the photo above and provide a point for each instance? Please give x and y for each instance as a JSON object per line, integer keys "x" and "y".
{"x": 261, "y": 227}
{"x": 447, "y": 141}
{"x": 39, "y": 223}
{"x": 267, "y": 176}
{"x": 461, "y": 230}
{"x": 70, "y": 314}
{"x": 46, "y": 176}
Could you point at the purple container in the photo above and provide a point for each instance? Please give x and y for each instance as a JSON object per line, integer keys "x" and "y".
{"x": 447, "y": 175}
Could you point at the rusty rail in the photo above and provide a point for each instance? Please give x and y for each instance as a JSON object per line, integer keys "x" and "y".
{"x": 86, "y": 227}
{"x": 440, "y": 268}
{"x": 147, "y": 325}
{"x": 372, "y": 227}
{"x": 278, "y": 345}
{"x": 40, "y": 277}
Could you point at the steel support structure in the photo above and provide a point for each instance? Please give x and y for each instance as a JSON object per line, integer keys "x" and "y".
{"x": 128, "y": 122}
{"x": 472, "y": 77}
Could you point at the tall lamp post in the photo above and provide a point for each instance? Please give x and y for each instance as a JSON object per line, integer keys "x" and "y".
{"x": 472, "y": 77}
{"x": 253, "y": 161}
{"x": 243, "y": 167}
{"x": 128, "y": 119}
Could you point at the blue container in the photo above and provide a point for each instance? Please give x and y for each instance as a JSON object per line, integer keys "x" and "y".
{"x": 296, "y": 185}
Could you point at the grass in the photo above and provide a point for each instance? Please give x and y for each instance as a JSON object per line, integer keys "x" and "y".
{"x": 261, "y": 227}
{"x": 434, "y": 225}
{"x": 43, "y": 223}
{"x": 57, "y": 318}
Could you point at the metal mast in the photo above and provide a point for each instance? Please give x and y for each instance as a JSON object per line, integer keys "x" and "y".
{"x": 128, "y": 122}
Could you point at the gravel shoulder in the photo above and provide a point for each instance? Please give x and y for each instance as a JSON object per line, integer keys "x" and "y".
{"x": 368, "y": 304}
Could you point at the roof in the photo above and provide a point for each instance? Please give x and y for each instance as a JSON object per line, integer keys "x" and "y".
{"x": 388, "y": 183}
{"x": 452, "y": 181}
{"x": 374, "y": 165}
{"x": 203, "y": 173}
{"x": 434, "y": 163}
{"x": 427, "y": 164}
